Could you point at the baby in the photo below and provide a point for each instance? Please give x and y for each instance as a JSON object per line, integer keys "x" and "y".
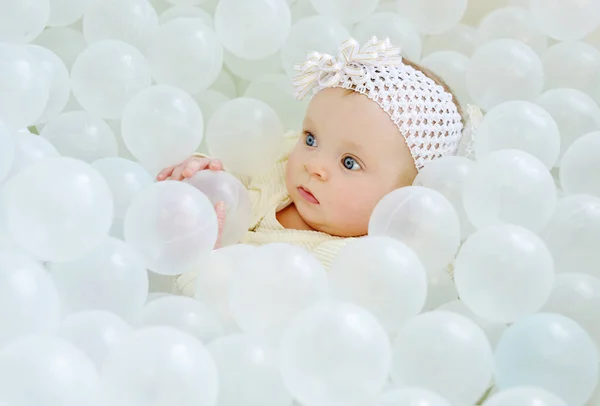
{"x": 375, "y": 120}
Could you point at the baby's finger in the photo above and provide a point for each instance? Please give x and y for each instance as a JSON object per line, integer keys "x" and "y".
{"x": 176, "y": 175}
{"x": 215, "y": 165}
{"x": 193, "y": 166}
{"x": 165, "y": 173}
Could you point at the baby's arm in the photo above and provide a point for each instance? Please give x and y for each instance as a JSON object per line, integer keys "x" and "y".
{"x": 190, "y": 167}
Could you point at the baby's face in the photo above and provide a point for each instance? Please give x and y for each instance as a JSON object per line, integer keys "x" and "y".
{"x": 349, "y": 157}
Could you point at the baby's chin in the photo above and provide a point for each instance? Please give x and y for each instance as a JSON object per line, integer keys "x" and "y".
{"x": 333, "y": 228}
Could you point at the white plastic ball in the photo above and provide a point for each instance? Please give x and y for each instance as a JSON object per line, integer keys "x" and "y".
{"x": 565, "y": 20}
{"x": 278, "y": 281}
{"x": 580, "y": 168}
{"x": 81, "y": 135}
{"x": 66, "y": 12}
{"x": 45, "y": 370}
{"x": 440, "y": 289}
{"x": 383, "y": 276}
{"x": 323, "y": 337}
{"x": 29, "y": 149}
{"x": 513, "y": 23}
{"x": 432, "y": 16}
{"x": 28, "y": 296}
{"x": 225, "y": 84}
{"x": 346, "y": 11}
{"x": 7, "y": 152}
{"x": 509, "y": 186}
{"x": 130, "y": 21}
{"x": 58, "y": 76}
{"x": 162, "y": 126}
{"x": 161, "y": 361}
{"x": 185, "y": 53}
{"x": 22, "y": 20}
{"x": 172, "y": 225}
{"x": 573, "y": 234}
{"x": 421, "y": 218}
{"x": 116, "y": 273}
{"x": 504, "y": 70}
{"x": 209, "y": 102}
{"x": 451, "y": 67}
{"x": 224, "y": 187}
{"x": 524, "y": 396}
{"x": 183, "y": 313}
{"x": 66, "y": 43}
{"x": 461, "y": 38}
{"x": 107, "y": 75}
{"x": 253, "y": 29}
{"x": 399, "y": 30}
{"x": 186, "y": 12}
{"x": 444, "y": 352}
{"x": 24, "y": 88}
{"x": 187, "y": 2}
{"x": 571, "y": 374}
{"x": 58, "y": 209}
{"x": 248, "y": 372}
{"x": 575, "y": 113}
{"x": 95, "y": 332}
{"x": 519, "y": 125}
{"x": 504, "y": 272}
{"x": 320, "y": 33}
{"x": 250, "y": 143}
{"x": 412, "y": 396}
{"x": 248, "y": 69}
{"x": 125, "y": 179}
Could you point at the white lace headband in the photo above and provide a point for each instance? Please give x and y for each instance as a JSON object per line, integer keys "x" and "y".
{"x": 423, "y": 111}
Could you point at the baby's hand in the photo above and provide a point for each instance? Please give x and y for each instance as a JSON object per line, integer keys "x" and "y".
{"x": 189, "y": 168}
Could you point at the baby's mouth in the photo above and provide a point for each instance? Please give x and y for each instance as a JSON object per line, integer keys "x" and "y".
{"x": 307, "y": 195}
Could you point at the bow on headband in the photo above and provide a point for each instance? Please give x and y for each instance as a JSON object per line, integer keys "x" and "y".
{"x": 322, "y": 70}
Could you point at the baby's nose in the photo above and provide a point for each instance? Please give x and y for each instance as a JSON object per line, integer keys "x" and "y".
{"x": 317, "y": 168}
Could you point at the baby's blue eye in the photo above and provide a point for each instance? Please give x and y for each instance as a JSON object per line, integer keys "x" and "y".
{"x": 351, "y": 164}
{"x": 310, "y": 140}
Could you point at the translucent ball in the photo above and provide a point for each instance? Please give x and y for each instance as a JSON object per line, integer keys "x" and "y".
{"x": 504, "y": 272}
{"x": 519, "y": 125}
{"x": 253, "y": 69}
{"x": 249, "y": 144}
{"x": 7, "y": 152}
{"x": 95, "y": 332}
{"x": 45, "y": 370}
{"x": 447, "y": 175}
{"x": 460, "y": 38}
{"x": 347, "y": 11}
{"x": 81, "y": 135}
{"x": 111, "y": 278}
{"x": 24, "y": 88}
{"x": 575, "y": 112}
{"x": 451, "y": 67}
{"x": 514, "y": 23}
{"x": 28, "y": 296}
{"x": 571, "y": 373}
{"x": 320, "y": 33}
{"x": 58, "y": 76}
{"x": 253, "y": 29}
{"x": 183, "y": 313}
{"x": 580, "y": 164}
{"x": 432, "y": 16}
{"x": 565, "y": 20}
{"x": 421, "y": 218}
{"x": 573, "y": 234}
{"x": 577, "y": 296}
{"x": 28, "y": 150}
{"x": 313, "y": 347}
{"x": 493, "y": 330}
{"x": 222, "y": 186}
{"x": 159, "y": 364}
{"x": 187, "y": 2}
{"x": 225, "y": 84}
{"x": 399, "y": 30}
{"x": 509, "y": 186}
{"x": 209, "y": 102}
{"x": 278, "y": 281}
{"x": 22, "y": 20}
{"x": 162, "y": 126}
{"x": 572, "y": 64}
{"x": 172, "y": 225}
{"x": 58, "y": 209}
{"x": 524, "y": 396}
{"x": 444, "y": 352}
{"x": 186, "y": 12}
{"x": 185, "y": 53}
{"x": 504, "y": 70}
{"x": 125, "y": 179}
{"x": 383, "y": 276}
{"x": 412, "y": 396}
{"x": 440, "y": 289}
{"x": 277, "y": 91}
{"x": 213, "y": 281}
{"x": 130, "y": 21}
{"x": 66, "y": 43}
{"x": 107, "y": 75}
{"x": 66, "y": 12}
{"x": 248, "y": 372}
